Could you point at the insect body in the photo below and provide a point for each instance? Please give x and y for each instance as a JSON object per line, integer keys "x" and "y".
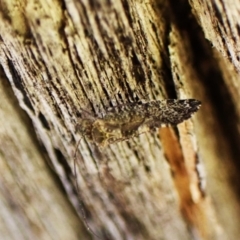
{"x": 125, "y": 121}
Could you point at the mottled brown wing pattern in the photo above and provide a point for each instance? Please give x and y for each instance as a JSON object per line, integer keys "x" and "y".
{"x": 123, "y": 122}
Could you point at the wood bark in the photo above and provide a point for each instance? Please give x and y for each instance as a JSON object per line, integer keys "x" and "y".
{"x": 61, "y": 60}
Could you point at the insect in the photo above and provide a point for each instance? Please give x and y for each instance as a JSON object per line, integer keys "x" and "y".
{"x": 126, "y": 121}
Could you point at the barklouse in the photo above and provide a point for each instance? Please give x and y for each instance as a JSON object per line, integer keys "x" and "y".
{"x": 125, "y": 121}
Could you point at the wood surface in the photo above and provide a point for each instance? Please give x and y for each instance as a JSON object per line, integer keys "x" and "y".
{"x": 61, "y": 60}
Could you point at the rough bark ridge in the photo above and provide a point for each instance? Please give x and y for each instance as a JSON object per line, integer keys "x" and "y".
{"x": 66, "y": 59}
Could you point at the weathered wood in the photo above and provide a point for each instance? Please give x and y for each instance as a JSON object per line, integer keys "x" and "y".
{"x": 32, "y": 203}
{"x": 81, "y": 57}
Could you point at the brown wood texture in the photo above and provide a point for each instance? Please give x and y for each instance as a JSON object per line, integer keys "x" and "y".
{"x": 61, "y": 60}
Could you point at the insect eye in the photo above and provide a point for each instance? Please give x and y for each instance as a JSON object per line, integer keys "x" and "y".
{"x": 98, "y": 135}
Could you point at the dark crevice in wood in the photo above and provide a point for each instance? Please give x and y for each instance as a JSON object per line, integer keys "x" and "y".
{"x": 222, "y": 104}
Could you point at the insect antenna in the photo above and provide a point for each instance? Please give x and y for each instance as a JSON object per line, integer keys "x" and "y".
{"x": 83, "y": 212}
